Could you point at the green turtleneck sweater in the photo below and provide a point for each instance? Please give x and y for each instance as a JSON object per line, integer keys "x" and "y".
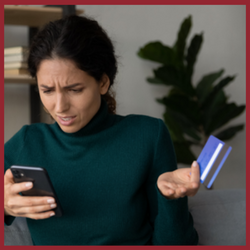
{"x": 105, "y": 178}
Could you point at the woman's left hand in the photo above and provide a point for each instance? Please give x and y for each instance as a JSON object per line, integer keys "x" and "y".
{"x": 181, "y": 182}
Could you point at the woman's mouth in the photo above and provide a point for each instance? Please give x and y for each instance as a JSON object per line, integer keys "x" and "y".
{"x": 66, "y": 120}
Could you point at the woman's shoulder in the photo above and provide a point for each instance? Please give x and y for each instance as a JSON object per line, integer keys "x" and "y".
{"x": 142, "y": 119}
{"x": 37, "y": 129}
{"x": 38, "y": 126}
{"x": 28, "y": 133}
{"x": 141, "y": 122}
{"x": 137, "y": 118}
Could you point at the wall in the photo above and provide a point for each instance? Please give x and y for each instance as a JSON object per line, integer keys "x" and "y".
{"x": 130, "y": 27}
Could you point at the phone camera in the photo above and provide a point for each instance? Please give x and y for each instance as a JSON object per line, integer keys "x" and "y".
{"x": 16, "y": 174}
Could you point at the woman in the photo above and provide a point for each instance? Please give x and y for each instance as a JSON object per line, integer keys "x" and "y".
{"x": 115, "y": 176}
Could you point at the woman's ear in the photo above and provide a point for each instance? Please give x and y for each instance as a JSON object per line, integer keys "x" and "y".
{"x": 104, "y": 84}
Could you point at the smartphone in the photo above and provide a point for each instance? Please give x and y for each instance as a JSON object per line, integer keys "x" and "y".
{"x": 42, "y": 185}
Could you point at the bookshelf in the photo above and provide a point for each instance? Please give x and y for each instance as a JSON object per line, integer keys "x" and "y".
{"x": 34, "y": 18}
{"x": 19, "y": 79}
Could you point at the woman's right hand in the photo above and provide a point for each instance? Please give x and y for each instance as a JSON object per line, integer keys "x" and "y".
{"x": 34, "y": 207}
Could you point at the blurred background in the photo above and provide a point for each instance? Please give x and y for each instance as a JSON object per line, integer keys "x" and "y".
{"x": 131, "y": 27}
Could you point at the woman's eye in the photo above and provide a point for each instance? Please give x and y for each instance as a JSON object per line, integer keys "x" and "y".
{"x": 76, "y": 90}
{"x": 47, "y": 91}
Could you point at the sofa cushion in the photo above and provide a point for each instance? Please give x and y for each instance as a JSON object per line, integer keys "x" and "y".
{"x": 219, "y": 216}
{"x": 17, "y": 234}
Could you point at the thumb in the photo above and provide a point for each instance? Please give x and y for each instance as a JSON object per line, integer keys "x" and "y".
{"x": 195, "y": 172}
{"x": 8, "y": 177}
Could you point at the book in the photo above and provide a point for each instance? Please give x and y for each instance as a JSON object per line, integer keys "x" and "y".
{"x": 16, "y": 65}
{"x": 16, "y": 50}
{"x": 16, "y": 58}
{"x": 16, "y": 72}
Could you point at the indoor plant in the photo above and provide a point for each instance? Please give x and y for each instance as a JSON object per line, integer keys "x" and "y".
{"x": 193, "y": 112}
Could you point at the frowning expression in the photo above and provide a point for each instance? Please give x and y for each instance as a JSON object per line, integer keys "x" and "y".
{"x": 70, "y": 95}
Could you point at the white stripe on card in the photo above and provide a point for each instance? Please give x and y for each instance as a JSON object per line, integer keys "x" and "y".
{"x": 211, "y": 162}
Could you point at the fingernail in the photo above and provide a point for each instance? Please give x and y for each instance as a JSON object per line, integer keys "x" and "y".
{"x": 51, "y": 200}
{"x": 53, "y": 205}
{"x": 52, "y": 214}
{"x": 195, "y": 164}
{"x": 29, "y": 184}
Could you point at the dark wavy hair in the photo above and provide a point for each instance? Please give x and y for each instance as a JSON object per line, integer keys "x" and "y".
{"x": 81, "y": 40}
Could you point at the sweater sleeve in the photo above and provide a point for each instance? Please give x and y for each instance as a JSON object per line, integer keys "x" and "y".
{"x": 12, "y": 150}
{"x": 170, "y": 219}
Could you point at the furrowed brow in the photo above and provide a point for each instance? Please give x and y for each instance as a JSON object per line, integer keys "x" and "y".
{"x": 72, "y": 85}
{"x": 45, "y": 86}
{"x": 66, "y": 87}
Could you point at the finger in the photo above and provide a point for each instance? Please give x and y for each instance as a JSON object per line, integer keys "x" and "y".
{"x": 169, "y": 192}
{"x": 40, "y": 216}
{"x": 28, "y": 201}
{"x": 20, "y": 187}
{"x": 195, "y": 172}
{"x": 169, "y": 184}
{"x": 163, "y": 184}
{"x": 17, "y": 205}
{"x": 165, "y": 191}
{"x": 34, "y": 209}
{"x": 180, "y": 192}
{"x": 192, "y": 189}
{"x": 8, "y": 177}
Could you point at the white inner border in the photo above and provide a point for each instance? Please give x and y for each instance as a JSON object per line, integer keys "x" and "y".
{"x": 210, "y": 164}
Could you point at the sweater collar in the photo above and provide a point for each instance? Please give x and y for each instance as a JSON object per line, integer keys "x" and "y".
{"x": 96, "y": 124}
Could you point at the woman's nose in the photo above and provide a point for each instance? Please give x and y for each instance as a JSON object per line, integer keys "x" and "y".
{"x": 62, "y": 103}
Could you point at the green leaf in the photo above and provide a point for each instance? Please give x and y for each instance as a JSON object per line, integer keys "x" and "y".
{"x": 187, "y": 126}
{"x": 170, "y": 75}
{"x": 225, "y": 81}
{"x": 183, "y": 105}
{"x": 183, "y": 153}
{"x": 176, "y": 91}
{"x": 180, "y": 43}
{"x": 192, "y": 53}
{"x": 204, "y": 87}
{"x": 216, "y": 103}
{"x": 174, "y": 128}
{"x": 191, "y": 133}
{"x": 223, "y": 115}
{"x": 190, "y": 143}
{"x": 229, "y": 132}
{"x": 155, "y": 80}
{"x": 157, "y": 52}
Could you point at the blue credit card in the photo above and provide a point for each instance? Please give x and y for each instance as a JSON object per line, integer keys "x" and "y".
{"x": 211, "y": 159}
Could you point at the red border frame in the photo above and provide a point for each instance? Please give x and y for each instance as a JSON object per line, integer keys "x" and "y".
{"x": 128, "y": 2}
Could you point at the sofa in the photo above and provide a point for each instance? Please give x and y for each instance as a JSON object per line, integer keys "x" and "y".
{"x": 219, "y": 218}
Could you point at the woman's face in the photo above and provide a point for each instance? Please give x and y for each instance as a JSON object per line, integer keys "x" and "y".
{"x": 71, "y": 96}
